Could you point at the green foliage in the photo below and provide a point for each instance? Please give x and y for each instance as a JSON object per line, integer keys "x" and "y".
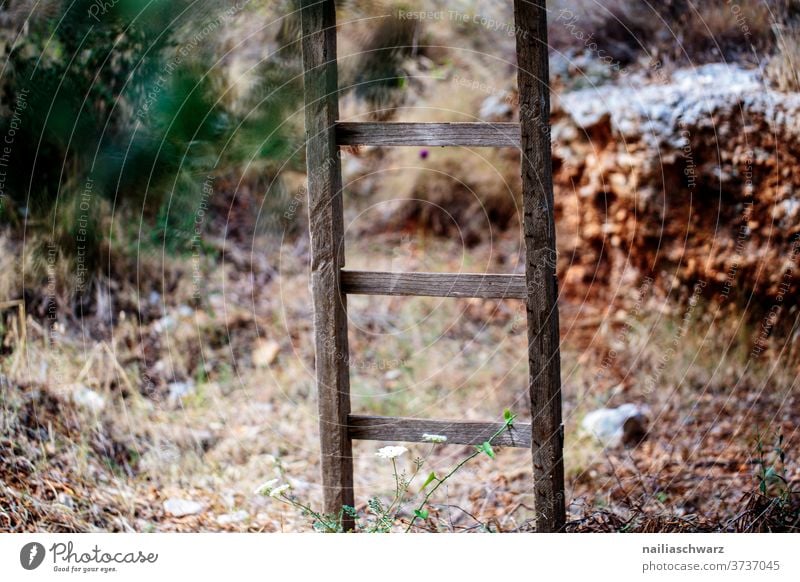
{"x": 774, "y": 504}
{"x": 130, "y": 98}
{"x": 431, "y": 478}
{"x": 771, "y": 475}
{"x": 486, "y": 447}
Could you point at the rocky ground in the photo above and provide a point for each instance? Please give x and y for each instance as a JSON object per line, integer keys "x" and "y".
{"x": 177, "y": 449}
{"x": 694, "y": 178}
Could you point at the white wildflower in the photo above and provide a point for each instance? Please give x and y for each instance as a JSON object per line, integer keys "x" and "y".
{"x": 266, "y": 488}
{"x": 434, "y": 438}
{"x": 391, "y": 452}
{"x": 278, "y": 490}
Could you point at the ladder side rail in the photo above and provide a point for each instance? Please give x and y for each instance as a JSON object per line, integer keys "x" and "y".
{"x": 326, "y": 227}
{"x": 547, "y": 432}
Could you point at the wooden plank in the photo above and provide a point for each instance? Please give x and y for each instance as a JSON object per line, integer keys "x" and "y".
{"x": 429, "y": 134}
{"x": 434, "y": 284}
{"x": 547, "y": 433}
{"x": 327, "y": 251}
{"x": 458, "y": 432}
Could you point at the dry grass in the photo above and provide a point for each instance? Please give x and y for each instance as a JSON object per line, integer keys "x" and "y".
{"x": 783, "y": 68}
{"x": 240, "y": 423}
{"x": 712, "y": 402}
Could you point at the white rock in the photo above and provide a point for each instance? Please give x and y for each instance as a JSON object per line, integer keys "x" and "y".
{"x": 165, "y": 323}
{"x": 393, "y": 374}
{"x": 185, "y": 311}
{"x": 178, "y": 390}
{"x": 265, "y": 352}
{"x": 65, "y": 500}
{"x": 612, "y": 426}
{"x": 355, "y": 167}
{"x": 658, "y": 113}
{"x": 495, "y": 108}
{"x": 182, "y": 507}
{"x": 789, "y": 206}
{"x": 88, "y": 398}
{"x": 235, "y": 517}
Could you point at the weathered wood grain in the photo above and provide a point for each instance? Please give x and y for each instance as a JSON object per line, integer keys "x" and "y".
{"x": 434, "y": 284}
{"x": 329, "y": 281}
{"x": 539, "y": 228}
{"x": 429, "y": 134}
{"x": 458, "y": 432}
{"x": 327, "y": 251}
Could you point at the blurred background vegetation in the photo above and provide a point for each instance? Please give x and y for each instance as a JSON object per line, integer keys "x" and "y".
{"x": 127, "y": 108}
{"x": 133, "y": 104}
{"x": 129, "y": 100}
{"x": 152, "y": 223}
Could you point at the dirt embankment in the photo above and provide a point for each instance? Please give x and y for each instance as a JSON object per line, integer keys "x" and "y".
{"x": 690, "y": 180}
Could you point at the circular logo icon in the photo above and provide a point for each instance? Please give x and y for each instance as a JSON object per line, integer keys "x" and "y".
{"x": 31, "y": 555}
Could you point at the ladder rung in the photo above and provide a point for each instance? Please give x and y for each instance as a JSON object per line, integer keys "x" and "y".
{"x": 429, "y": 134}
{"x": 433, "y": 284}
{"x": 458, "y": 432}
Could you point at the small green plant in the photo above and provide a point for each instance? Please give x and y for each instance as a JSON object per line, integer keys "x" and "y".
{"x": 381, "y": 517}
{"x": 320, "y": 521}
{"x": 771, "y": 474}
{"x": 774, "y": 507}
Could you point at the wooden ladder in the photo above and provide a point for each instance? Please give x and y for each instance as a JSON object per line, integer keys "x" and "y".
{"x": 331, "y": 283}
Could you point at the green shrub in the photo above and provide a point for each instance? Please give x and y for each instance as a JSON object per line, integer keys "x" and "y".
{"x": 119, "y": 107}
